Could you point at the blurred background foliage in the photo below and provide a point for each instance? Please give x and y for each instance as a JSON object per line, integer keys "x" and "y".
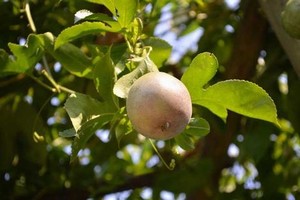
{"x": 242, "y": 159}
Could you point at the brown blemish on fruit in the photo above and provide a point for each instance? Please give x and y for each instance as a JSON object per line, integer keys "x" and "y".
{"x": 165, "y": 126}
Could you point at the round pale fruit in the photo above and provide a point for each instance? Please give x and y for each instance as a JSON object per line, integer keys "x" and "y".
{"x": 290, "y": 17}
{"x": 159, "y": 106}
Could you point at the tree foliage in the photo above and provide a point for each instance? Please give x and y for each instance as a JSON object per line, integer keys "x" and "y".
{"x": 65, "y": 71}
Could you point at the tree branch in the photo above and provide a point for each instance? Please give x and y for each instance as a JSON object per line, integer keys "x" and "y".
{"x": 291, "y": 46}
{"x": 133, "y": 183}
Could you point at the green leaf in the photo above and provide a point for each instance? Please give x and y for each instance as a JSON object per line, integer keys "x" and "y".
{"x": 125, "y": 10}
{"x": 134, "y": 31}
{"x": 202, "y": 69}
{"x": 110, "y": 4}
{"x": 161, "y": 50}
{"x": 8, "y": 65}
{"x": 123, "y": 128}
{"x": 25, "y": 57}
{"x": 123, "y": 85}
{"x": 73, "y": 60}
{"x": 198, "y": 127}
{"x": 87, "y": 130}
{"x": 87, "y": 115}
{"x": 68, "y": 133}
{"x": 29, "y": 54}
{"x": 104, "y": 79}
{"x": 118, "y": 54}
{"x": 216, "y": 108}
{"x": 89, "y": 16}
{"x": 82, "y": 108}
{"x": 120, "y": 124}
{"x": 192, "y": 26}
{"x": 85, "y": 28}
{"x": 240, "y": 96}
{"x": 185, "y": 141}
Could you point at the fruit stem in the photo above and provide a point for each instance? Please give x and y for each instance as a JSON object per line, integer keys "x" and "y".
{"x": 170, "y": 166}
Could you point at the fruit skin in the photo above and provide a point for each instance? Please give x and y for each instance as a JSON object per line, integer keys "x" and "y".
{"x": 290, "y": 18}
{"x": 159, "y": 106}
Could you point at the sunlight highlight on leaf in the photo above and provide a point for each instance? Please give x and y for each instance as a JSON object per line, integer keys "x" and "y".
{"x": 240, "y": 96}
{"x": 123, "y": 85}
{"x": 202, "y": 69}
{"x": 85, "y": 28}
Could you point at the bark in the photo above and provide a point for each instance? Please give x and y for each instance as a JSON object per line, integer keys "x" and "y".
{"x": 291, "y": 46}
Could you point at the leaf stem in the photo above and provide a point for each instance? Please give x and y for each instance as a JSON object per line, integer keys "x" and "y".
{"x": 60, "y": 88}
{"x": 170, "y": 166}
{"x": 52, "y": 81}
{"x": 57, "y": 87}
{"x": 43, "y": 84}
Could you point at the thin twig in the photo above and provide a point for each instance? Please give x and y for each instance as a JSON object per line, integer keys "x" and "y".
{"x": 52, "y": 81}
{"x": 43, "y": 84}
{"x": 29, "y": 17}
{"x": 62, "y": 88}
{"x": 33, "y": 28}
{"x": 6, "y": 82}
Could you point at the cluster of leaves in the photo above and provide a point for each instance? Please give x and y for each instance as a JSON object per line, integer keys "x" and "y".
{"x": 88, "y": 114}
